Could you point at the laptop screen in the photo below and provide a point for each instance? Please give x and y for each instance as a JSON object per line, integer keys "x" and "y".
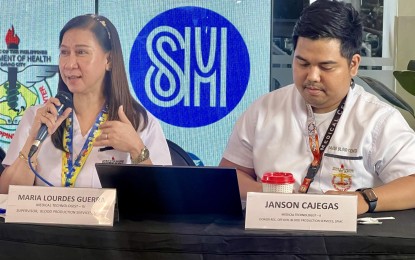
{"x": 144, "y": 190}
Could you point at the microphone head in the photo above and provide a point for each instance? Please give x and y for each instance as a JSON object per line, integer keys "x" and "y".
{"x": 66, "y": 101}
{"x": 65, "y": 98}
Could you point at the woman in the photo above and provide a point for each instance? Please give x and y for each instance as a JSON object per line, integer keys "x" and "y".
{"x": 105, "y": 124}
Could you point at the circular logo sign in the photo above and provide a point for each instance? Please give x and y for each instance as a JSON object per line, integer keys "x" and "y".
{"x": 189, "y": 66}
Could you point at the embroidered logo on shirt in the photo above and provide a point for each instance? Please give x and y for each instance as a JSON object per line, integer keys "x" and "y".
{"x": 342, "y": 178}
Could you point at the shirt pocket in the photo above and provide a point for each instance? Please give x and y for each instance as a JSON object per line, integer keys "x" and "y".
{"x": 341, "y": 173}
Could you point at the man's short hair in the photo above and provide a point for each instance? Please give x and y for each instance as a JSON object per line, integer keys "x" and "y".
{"x": 332, "y": 20}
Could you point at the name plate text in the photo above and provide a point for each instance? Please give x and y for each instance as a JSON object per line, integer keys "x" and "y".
{"x": 60, "y": 205}
{"x": 301, "y": 212}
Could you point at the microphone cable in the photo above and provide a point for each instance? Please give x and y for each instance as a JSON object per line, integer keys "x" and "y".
{"x": 36, "y": 173}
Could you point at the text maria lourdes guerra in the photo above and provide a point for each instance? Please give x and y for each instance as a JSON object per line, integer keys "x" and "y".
{"x": 59, "y": 198}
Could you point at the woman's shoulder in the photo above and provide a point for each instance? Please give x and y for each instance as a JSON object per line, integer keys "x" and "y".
{"x": 34, "y": 108}
{"x": 151, "y": 117}
{"x": 30, "y": 112}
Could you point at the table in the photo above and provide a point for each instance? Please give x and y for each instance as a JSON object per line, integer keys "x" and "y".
{"x": 210, "y": 239}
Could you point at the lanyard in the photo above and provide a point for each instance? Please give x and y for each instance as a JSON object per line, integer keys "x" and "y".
{"x": 70, "y": 169}
{"x": 314, "y": 144}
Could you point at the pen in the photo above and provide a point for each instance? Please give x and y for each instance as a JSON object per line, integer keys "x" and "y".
{"x": 2, "y": 211}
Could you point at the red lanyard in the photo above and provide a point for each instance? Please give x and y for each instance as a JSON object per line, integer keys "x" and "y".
{"x": 317, "y": 150}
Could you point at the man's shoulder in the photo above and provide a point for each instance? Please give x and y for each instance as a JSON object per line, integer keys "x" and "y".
{"x": 367, "y": 106}
{"x": 279, "y": 93}
{"x": 274, "y": 99}
{"x": 284, "y": 90}
{"x": 366, "y": 98}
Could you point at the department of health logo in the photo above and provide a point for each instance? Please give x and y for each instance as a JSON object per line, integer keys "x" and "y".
{"x": 22, "y": 82}
{"x": 189, "y": 66}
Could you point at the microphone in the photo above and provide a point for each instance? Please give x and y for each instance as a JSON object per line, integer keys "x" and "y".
{"x": 66, "y": 101}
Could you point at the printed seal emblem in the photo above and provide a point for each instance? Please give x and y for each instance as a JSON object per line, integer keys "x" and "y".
{"x": 342, "y": 178}
{"x": 25, "y": 85}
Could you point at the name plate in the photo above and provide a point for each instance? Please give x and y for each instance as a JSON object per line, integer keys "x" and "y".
{"x": 301, "y": 212}
{"x": 60, "y": 205}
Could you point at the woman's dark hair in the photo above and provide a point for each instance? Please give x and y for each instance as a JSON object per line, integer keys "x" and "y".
{"x": 331, "y": 19}
{"x": 116, "y": 89}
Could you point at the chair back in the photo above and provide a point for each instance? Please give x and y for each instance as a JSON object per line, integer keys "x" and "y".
{"x": 2, "y": 155}
{"x": 179, "y": 157}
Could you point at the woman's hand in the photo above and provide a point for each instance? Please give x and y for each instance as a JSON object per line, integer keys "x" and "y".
{"x": 48, "y": 115}
{"x": 120, "y": 135}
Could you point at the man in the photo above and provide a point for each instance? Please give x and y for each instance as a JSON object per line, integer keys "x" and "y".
{"x": 329, "y": 132}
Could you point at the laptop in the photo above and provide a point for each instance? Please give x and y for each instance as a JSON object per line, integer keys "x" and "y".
{"x": 172, "y": 191}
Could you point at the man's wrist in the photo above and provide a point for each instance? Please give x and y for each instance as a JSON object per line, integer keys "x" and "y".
{"x": 370, "y": 197}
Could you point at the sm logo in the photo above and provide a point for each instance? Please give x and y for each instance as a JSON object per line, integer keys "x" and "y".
{"x": 189, "y": 66}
